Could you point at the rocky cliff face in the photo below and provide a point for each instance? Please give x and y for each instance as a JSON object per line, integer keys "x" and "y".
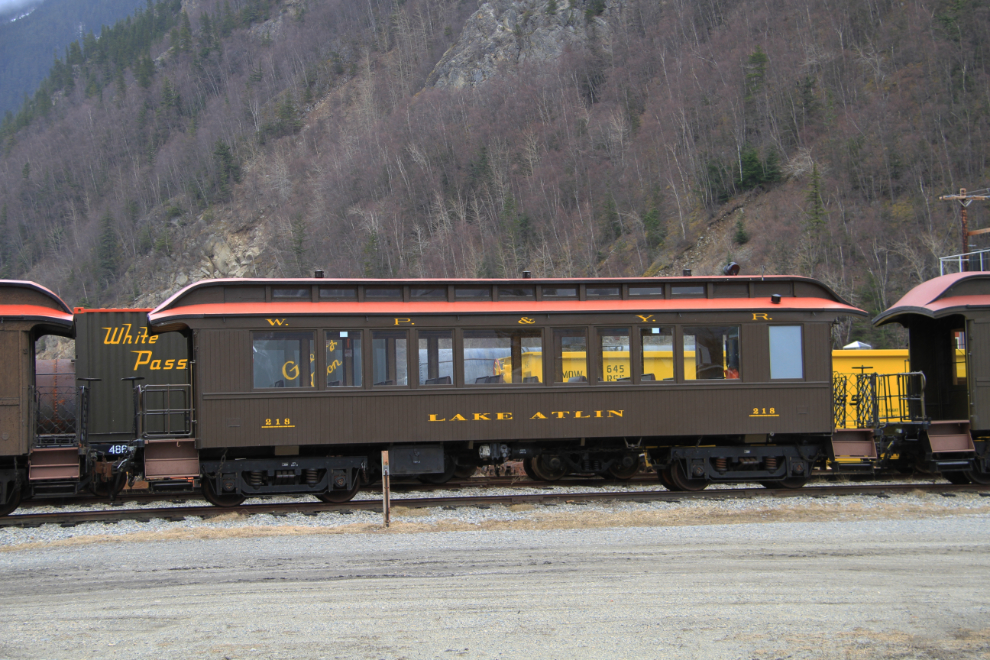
{"x": 504, "y": 34}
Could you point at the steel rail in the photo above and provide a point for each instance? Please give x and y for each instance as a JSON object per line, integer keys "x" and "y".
{"x": 73, "y": 518}
{"x": 142, "y": 495}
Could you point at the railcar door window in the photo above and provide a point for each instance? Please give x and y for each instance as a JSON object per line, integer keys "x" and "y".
{"x": 338, "y": 293}
{"x": 958, "y": 352}
{"x": 646, "y": 291}
{"x": 570, "y": 347}
{"x": 687, "y": 291}
{"x": 560, "y": 292}
{"x": 419, "y": 293}
{"x": 517, "y": 293}
{"x": 503, "y": 356}
{"x": 786, "y": 357}
{"x": 343, "y": 358}
{"x": 614, "y": 364}
{"x": 602, "y": 292}
{"x": 283, "y": 359}
{"x": 658, "y": 354}
{"x": 711, "y": 353}
{"x": 390, "y": 362}
{"x": 376, "y": 293}
{"x": 472, "y": 293}
{"x": 292, "y": 294}
{"x": 436, "y": 357}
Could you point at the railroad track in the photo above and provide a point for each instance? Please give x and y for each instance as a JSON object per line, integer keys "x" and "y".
{"x": 70, "y": 519}
{"x": 141, "y": 495}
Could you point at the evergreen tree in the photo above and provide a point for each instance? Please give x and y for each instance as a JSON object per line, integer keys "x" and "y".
{"x": 108, "y": 250}
{"x": 185, "y": 33}
{"x": 756, "y": 72}
{"x": 741, "y": 236}
{"x": 816, "y": 219}
{"x": 653, "y": 227}
{"x": 6, "y": 272}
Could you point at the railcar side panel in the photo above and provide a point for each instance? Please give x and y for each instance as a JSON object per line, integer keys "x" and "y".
{"x": 978, "y": 352}
{"x": 115, "y": 344}
{"x": 319, "y": 418}
{"x": 13, "y": 390}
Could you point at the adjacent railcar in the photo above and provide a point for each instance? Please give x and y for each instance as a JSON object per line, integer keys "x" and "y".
{"x": 299, "y": 383}
{"x": 115, "y": 352}
{"x": 32, "y": 453}
{"x": 948, "y": 430}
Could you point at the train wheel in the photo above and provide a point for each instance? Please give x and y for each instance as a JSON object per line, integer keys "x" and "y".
{"x": 449, "y": 467}
{"x": 545, "y": 472}
{"x": 220, "y": 500}
{"x": 622, "y": 472}
{"x": 682, "y": 481}
{"x": 957, "y": 478}
{"x": 981, "y": 478}
{"x": 12, "y": 503}
{"x": 340, "y": 496}
{"x": 664, "y": 476}
{"x": 465, "y": 471}
{"x": 528, "y": 469}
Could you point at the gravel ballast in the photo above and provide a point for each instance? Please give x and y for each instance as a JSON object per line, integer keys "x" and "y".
{"x": 803, "y": 577}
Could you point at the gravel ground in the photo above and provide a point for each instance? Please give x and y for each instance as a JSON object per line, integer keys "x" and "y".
{"x": 818, "y": 577}
{"x": 905, "y": 588}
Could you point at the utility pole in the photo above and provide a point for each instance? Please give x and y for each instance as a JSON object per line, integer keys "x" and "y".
{"x": 965, "y": 199}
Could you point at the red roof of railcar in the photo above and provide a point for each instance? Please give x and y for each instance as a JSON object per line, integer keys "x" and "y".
{"x": 940, "y": 296}
{"x": 173, "y": 309}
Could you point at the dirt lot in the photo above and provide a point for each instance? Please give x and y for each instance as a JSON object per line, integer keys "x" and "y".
{"x": 902, "y": 587}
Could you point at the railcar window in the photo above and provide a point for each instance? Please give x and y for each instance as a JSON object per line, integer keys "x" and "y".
{"x": 711, "y": 353}
{"x": 390, "y": 363}
{"x": 570, "y": 347}
{"x": 428, "y": 293}
{"x": 343, "y": 358}
{"x": 503, "y": 356}
{"x": 283, "y": 359}
{"x": 338, "y": 293}
{"x": 646, "y": 291}
{"x": 786, "y": 357}
{"x": 687, "y": 291}
{"x": 292, "y": 294}
{"x": 375, "y": 293}
{"x": 436, "y": 357}
{"x": 472, "y": 293}
{"x": 560, "y": 292}
{"x": 517, "y": 293}
{"x": 658, "y": 354}
{"x": 602, "y": 292}
{"x": 614, "y": 358}
{"x": 958, "y": 352}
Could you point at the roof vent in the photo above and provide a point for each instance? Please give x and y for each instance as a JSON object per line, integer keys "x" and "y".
{"x": 775, "y": 299}
{"x": 731, "y": 269}
{"x": 527, "y": 274}
{"x": 318, "y": 274}
{"x": 686, "y": 272}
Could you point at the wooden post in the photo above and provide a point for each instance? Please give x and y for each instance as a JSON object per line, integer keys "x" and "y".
{"x": 386, "y": 491}
{"x": 965, "y": 230}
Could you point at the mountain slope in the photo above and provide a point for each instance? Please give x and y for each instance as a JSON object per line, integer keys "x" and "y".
{"x": 441, "y": 138}
{"x": 29, "y": 45}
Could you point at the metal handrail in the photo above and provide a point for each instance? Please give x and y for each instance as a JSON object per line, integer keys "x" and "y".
{"x": 167, "y": 414}
{"x": 878, "y": 400}
{"x": 966, "y": 258}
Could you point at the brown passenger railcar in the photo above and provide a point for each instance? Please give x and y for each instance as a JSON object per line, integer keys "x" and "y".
{"x": 300, "y": 382}
{"x": 947, "y": 429}
{"x": 40, "y": 450}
